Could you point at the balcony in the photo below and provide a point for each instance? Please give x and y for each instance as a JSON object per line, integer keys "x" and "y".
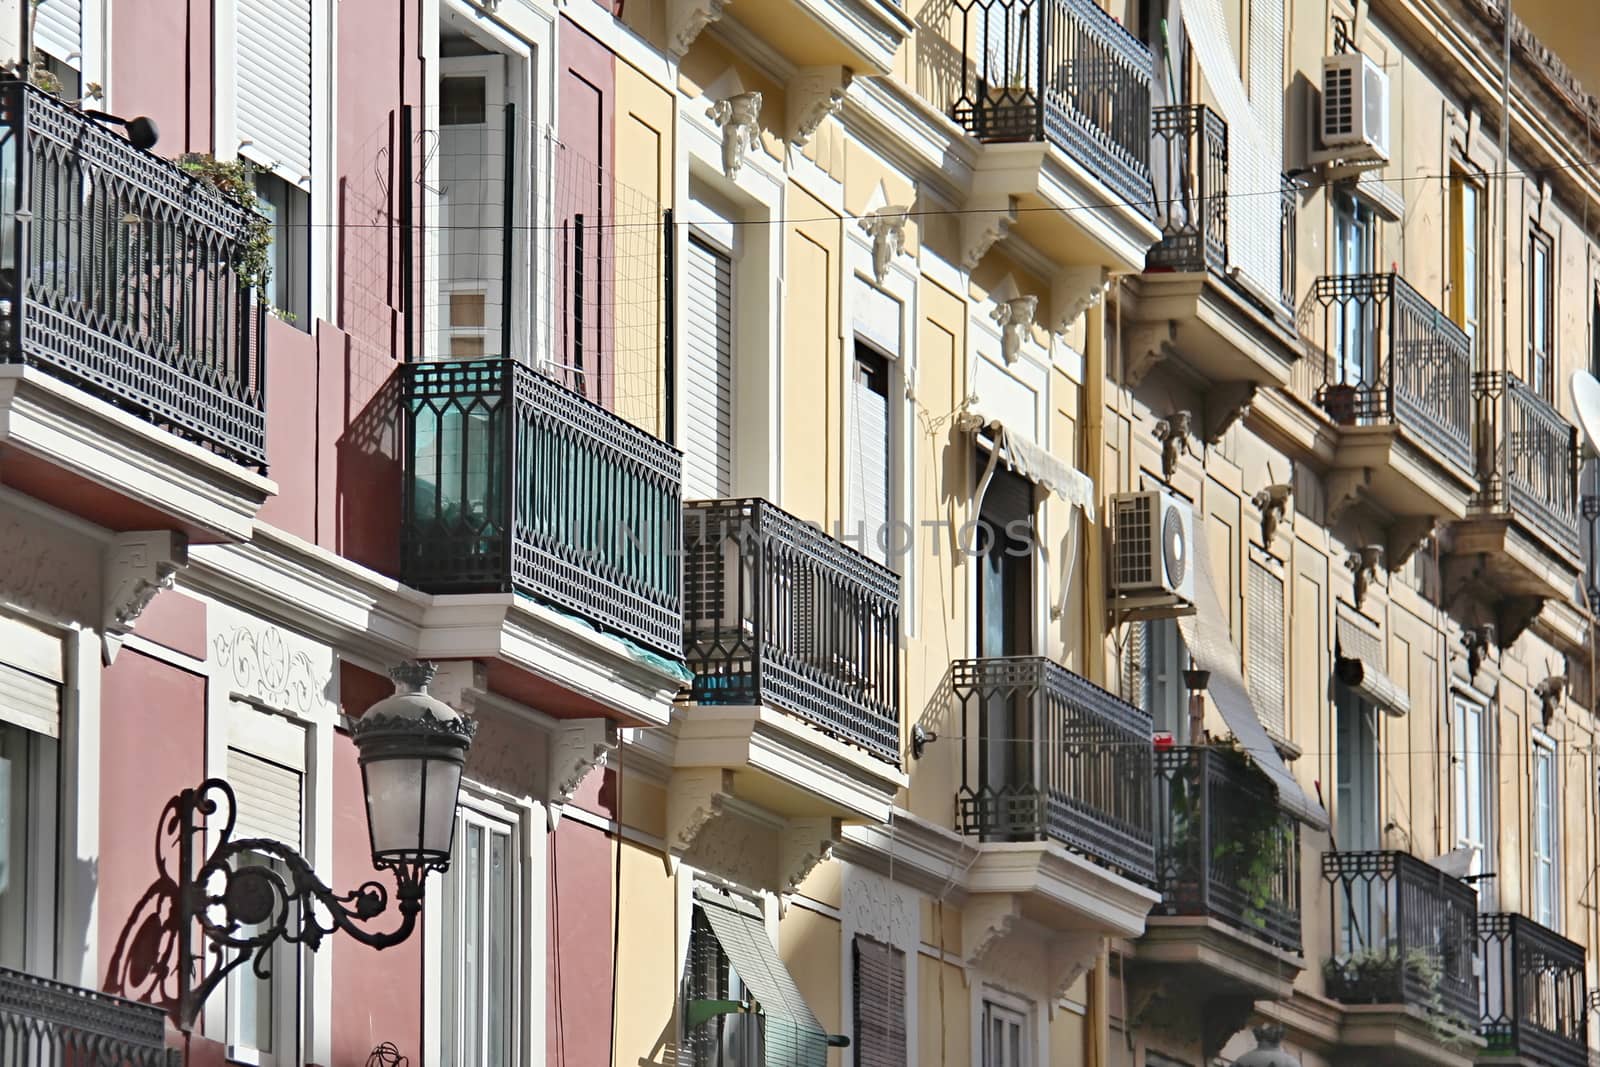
{"x": 778, "y": 613}
{"x": 1404, "y": 957}
{"x": 514, "y": 484}
{"x": 843, "y": 36}
{"x": 1194, "y": 302}
{"x": 1059, "y": 93}
{"x": 1394, "y": 375}
{"x": 1519, "y": 544}
{"x": 131, "y": 346}
{"x": 45, "y": 1022}
{"x": 1535, "y": 1006}
{"x": 1055, "y": 788}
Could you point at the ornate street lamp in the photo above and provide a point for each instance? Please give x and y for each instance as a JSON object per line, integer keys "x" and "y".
{"x": 411, "y": 748}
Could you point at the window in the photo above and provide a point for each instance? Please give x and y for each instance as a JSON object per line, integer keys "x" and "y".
{"x": 1466, "y": 255}
{"x": 707, "y": 436}
{"x": 1545, "y": 812}
{"x": 1264, "y": 646}
{"x": 288, "y": 208}
{"x": 1541, "y": 315}
{"x": 1005, "y": 1042}
{"x": 1005, "y": 564}
{"x": 481, "y": 935}
{"x": 1469, "y": 759}
{"x": 868, "y": 508}
{"x": 1156, "y": 659}
{"x": 272, "y": 84}
{"x": 266, "y": 768}
{"x": 467, "y": 236}
{"x": 28, "y": 834}
{"x": 1358, "y": 782}
{"x": 724, "y": 1040}
{"x": 1353, "y": 255}
{"x": 880, "y": 1004}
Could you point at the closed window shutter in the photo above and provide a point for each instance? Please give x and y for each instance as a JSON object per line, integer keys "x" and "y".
{"x": 708, "y": 375}
{"x": 1135, "y": 666}
{"x": 267, "y": 797}
{"x": 867, "y": 455}
{"x": 1264, "y": 647}
{"x": 880, "y": 1004}
{"x": 272, "y": 57}
{"x": 58, "y": 30}
{"x": 31, "y": 676}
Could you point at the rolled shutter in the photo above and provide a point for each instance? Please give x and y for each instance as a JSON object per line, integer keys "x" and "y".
{"x": 707, "y": 437}
{"x": 58, "y": 30}
{"x": 267, "y": 798}
{"x": 272, "y": 63}
{"x": 32, "y": 670}
{"x": 867, "y": 454}
{"x": 880, "y": 1004}
{"x": 1264, "y": 646}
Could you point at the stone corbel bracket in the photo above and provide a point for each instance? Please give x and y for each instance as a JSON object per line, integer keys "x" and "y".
{"x": 887, "y": 228}
{"x": 727, "y": 837}
{"x": 1022, "y": 954}
{"x": 814, "y": 93}
{"x": 738, "y": 117}
{"x": 685, "y": 20}
{"x": 982, "y": 224}
{"x": 135, "y": 567}
{"x": 1073, "y": 291}
{"x": 577, "y": 746}
{"x": 1015, "y": 319}
{"x": 802, "y": 844}
{"x": 1145, "y": 346}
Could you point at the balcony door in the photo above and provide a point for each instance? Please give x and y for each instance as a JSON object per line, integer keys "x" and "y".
{"x": 1005, "y": 623}
{"x": 469, "y": 242}
{"x": 1354, "y": 250}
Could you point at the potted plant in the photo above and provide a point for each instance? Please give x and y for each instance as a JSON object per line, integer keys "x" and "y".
{"x": 235, "y": 180}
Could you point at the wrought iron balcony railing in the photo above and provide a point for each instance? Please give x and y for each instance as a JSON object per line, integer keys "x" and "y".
{"x": 1224, "y": 848}
{"x": 1191, "y": 164}
{"x": 45, "y": 1022}
{"x": 1388, "y": 357}
{"x": 776, "y": 611}
{"x": 1404, "y": 933}
{"x": 1052, "y": 756}
{"x": 1062, "y": 71}
{"x": 120, "y": 273}
{"x": 515, "y": 483}
{"x": 1527, "y": 458}
{"x": 1534, "y": 1001}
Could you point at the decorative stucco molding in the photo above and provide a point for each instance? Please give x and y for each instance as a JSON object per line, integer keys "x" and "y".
{"x": 577, "y": 747}
{"x": 1143, "y": 347}
{"x": 1015, "y": 952}
{"x": 814, "y": 93}
{"x": 887, "y": 228}
{"x": 685, "y": 20}
{"x": 47, "y": 571}
{"x": 136, "y": 566}
{"x": 802, "y": 844}
{"x": 1073, "y": 291}
{"x": 737, "y": 116}
{"x": 1015, "y": 319}
{"x": 982, "y": 224}
{"x": 259, "y": 663}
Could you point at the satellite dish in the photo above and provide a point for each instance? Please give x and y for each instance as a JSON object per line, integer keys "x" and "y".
{"x": 1586, "y": 406}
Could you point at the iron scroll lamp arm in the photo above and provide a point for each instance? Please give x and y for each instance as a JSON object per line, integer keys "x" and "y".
{"x": 243, "y": 911}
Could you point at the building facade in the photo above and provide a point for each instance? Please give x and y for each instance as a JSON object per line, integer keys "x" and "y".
{"x": 973, "y": 532}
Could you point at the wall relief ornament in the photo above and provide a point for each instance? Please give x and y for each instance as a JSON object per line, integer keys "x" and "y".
{"x": 261, "y": 664}
{"x": 738, "y": 117}
{"x": 48, "y": 571}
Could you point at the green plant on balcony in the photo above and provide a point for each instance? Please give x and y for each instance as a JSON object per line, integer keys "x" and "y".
{"x": 235, "y": 180}
{"x": 1387, "y": 975}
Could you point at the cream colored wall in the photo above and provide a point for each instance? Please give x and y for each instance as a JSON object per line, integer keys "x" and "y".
{"x": 647, "y": 972}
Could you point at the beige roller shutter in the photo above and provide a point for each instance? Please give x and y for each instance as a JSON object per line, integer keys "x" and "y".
{"x": 32, "y": 673}
{"x": 272, "y": 64}
{"x": 266, "y": 767}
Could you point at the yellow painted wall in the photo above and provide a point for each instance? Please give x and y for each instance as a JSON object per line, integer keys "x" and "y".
{"x": 647, "y": 978}
{"x": 810, "y": 945}
{"x": 813, "y": 376}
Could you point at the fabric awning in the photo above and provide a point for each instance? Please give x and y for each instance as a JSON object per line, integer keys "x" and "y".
{"x": 1031, "y": 460}
{"x": 1212, "y": 649}
{"x": 791, "y": 1034}
{"x": 1360, "y": 664}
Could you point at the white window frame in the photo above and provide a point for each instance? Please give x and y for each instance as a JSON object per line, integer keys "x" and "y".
{"x": 853, "y": 531}
{"x": 1469, "y": 757}
{"x": 492, "y": 819}
{"x": 713, "y": 228}
{"x": 990, "y": 1003}
{"x": 1545, "y": 862}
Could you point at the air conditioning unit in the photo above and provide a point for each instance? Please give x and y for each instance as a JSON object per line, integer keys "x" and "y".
{"x": 1355, "y": 107}
{"x": 1152, "y": 545}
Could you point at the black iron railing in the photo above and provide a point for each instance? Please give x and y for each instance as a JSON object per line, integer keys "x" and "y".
{"x": 49, "y": 1023}
{"x": 119, "y": 272}
{"x": 514, "y": 482}
{"x": 1535, "y": 1003}
{"x": 1390, "y": 357}
{"x": 1224, "y": 848}
{"x": 1052, "y": 756}
{"x": 778, "y": 612}
{"x": 1191, "y": 165}
{"x": 1527, "y": 458}
{"x": 1403, "y": 933}
{"x": 1062, "y": 71}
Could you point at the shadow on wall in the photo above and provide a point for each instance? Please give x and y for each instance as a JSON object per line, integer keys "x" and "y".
{"x": 144, "y": 962}
{"x": 369, "y": 464}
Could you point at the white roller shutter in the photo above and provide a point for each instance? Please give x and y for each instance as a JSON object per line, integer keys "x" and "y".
{"x": 268, "y": 798}
{"x": 58, "y": 30}
{"x": 272, "y": 65}
{"x": 31, "y": 675}
{"x": 867, "y": 455}
{"x": 707, "y": 433}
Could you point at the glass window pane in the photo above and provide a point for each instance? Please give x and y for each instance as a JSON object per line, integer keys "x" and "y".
{"x": 471, "y": 1017}
{"x": 500, "y": 934}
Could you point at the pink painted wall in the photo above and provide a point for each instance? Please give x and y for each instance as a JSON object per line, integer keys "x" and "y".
{"x": 152, "y": 746}
{"x": 176, "y": 621}
{"x": 378, "y": 994}
{"x": 161, "y": 67}
{"x": 292, "y": 440}
{"x": 578, "y": 971}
